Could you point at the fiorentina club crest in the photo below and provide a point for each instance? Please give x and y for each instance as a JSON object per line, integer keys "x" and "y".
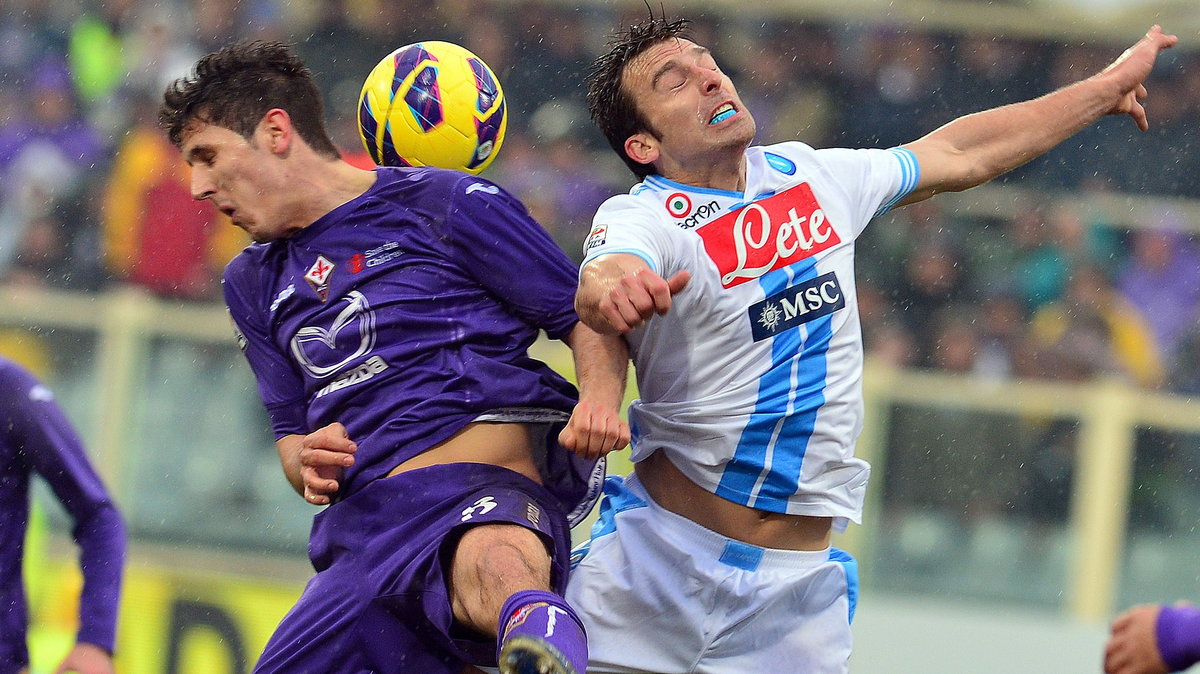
{"x": 768, "y": 234}
{"x": 318, "y": 277}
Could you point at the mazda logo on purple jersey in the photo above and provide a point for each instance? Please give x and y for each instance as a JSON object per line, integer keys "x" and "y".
{"x": 324, "y": 350}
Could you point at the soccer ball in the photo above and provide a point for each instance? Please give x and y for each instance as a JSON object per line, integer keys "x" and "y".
{"x": 432, "y": 104}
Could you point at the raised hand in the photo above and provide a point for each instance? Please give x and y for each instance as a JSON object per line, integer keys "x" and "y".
{"x": 1130, "y": 70}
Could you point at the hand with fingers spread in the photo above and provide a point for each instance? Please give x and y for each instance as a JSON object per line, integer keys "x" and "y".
{"x": 324, "y": 457}
{"x": 1130, "y": 71}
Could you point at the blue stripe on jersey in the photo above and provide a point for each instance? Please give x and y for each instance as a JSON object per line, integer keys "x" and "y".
{"x": 630, "y": 251}
{"x": 661, "y": 183}
{"x": 850, "y": 566}
{"x": 910, "y": 173}
{"x": 765, "y": 469}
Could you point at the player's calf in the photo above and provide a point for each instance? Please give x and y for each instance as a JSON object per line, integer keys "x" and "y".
{"x": 540, "y": 634}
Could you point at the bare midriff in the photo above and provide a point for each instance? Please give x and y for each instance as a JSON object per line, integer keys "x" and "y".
{"x": 672, "y": 490}
{"x": 499, "y": 444}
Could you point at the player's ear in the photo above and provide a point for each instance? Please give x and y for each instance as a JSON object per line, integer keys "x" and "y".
{"x": 276, "y": 130}
{"x": 642, "y": 148}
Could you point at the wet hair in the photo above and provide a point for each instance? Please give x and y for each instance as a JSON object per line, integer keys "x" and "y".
{"x": 235, "y": 86}
{"x": 609, "y": 104}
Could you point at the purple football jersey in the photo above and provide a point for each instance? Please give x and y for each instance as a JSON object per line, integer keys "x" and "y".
{"x": 405, "y": 314}
{"x": 36, "y": 437}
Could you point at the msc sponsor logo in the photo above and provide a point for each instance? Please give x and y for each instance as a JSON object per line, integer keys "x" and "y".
{"x": 768, "y": 234}
{"x": 373, "y": 366}
{"x": 703, "y": 212}
{"x": 798, "y": 304}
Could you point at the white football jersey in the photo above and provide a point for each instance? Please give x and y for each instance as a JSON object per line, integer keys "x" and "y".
{"x": 752, "y": 382}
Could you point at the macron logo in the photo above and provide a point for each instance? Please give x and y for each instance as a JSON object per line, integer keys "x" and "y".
{"x": 480, "y": 187}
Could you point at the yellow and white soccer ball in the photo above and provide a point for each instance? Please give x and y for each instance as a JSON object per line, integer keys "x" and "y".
{"x": 432, "y": 104}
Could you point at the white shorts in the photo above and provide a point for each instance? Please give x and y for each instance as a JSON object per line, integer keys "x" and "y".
{"x": 660, "y": 593}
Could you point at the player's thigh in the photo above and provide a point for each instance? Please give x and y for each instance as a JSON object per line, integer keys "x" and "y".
{"x": 319, "y": 632}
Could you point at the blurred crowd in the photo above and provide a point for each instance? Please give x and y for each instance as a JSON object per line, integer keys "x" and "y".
{"x": 92, "y": 194}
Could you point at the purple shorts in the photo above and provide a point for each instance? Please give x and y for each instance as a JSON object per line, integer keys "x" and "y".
{"x": 379, "y": 602}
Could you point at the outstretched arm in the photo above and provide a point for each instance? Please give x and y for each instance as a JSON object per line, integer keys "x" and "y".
{"x": 976, "y": 148}
{"x": 601, "y": 365}
{"x": 619, "y": 292}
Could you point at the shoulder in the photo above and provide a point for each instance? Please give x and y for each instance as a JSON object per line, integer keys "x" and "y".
{"x": 18, "y": 384}
{"x": 11, "y": 374}
{"x": 639, "y": 203}
{"x": 247, "y": 274}
{"x": 251, "y": 261}
{"x": 428, "y": 180}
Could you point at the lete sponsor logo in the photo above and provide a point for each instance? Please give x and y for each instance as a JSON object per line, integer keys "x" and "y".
{"x": 768, "y": 234}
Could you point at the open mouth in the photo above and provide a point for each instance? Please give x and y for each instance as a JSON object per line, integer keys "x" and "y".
{"x": 722, "y": 113}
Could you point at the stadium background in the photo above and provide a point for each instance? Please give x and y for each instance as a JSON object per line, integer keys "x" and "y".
{"x": 1033, "y": 344}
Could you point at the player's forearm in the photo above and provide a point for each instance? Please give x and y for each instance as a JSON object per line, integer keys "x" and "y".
{"x": 289, "y": 459}
{"x": 989, "y": 143}
{"x": 601, "y": 365}
{"x": 102, "y": 540}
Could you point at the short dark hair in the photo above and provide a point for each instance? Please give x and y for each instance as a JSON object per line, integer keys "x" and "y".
{"x": 611, "y": 107}
{"x": 236, "y": 85}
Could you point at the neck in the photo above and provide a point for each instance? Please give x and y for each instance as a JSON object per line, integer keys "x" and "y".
{"x": 728, "y": 175}
{"x": 328, "y": 183}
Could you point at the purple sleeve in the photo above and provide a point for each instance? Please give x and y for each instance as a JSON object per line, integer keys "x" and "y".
{"x": 1178, "y": 632}
{"x": 511, "y": 255}
{"x": 279, "y": 385}
{"x": 55, "y": 452}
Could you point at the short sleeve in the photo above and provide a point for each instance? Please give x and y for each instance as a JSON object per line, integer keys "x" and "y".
{"x": 623, "y": 225}
{"x": 280, "y": 386}
{"x": 875, "y": 180}
{"x": 503, "y": 248}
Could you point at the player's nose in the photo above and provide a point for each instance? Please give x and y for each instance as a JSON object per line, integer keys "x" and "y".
{"x": 202, "y": 185}
{"x": 710, "y": 80}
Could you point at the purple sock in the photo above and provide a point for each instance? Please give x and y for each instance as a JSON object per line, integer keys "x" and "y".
{"x": 547, "y": 617}
{"x": 1178, "y": 631}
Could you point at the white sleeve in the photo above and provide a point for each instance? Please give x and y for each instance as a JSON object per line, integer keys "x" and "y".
{"x": 875, "y": 180}
{"x": 623, "y": 224}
